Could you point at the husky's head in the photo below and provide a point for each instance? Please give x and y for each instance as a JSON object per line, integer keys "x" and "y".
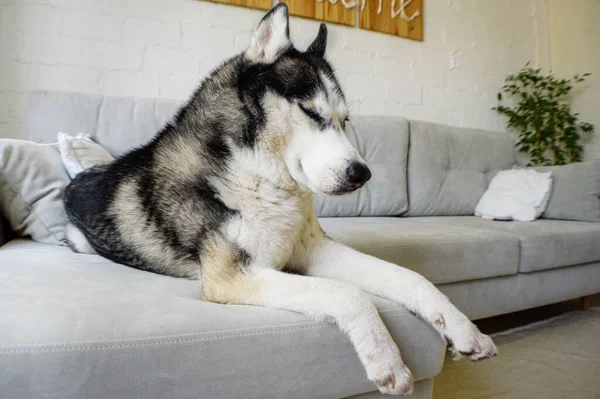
{"x": 303, "y": 91}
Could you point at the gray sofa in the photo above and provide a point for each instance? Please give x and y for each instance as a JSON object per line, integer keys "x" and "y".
{"x": 75, "y": 326}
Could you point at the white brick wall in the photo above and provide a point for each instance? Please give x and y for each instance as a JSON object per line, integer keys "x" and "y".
{"x": 152, "y": 32}
{"x": 575, "y": 35}
{"x": 162, "y": 48}
{"x": 86, "y": 25}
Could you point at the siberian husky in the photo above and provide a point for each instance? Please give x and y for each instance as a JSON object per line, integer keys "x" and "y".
{"x": 223, "y": 194}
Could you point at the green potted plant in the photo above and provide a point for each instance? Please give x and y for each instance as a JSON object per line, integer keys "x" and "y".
{"x": 549, "y": 132}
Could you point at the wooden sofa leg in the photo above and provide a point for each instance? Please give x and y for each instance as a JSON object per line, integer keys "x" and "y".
{"x": 585, "y": 302}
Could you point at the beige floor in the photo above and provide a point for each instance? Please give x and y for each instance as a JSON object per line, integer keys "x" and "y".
{"x": 555, "y": 358}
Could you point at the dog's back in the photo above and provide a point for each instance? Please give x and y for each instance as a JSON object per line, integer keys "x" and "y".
{"x": 132, "y": 211}
{"x": 92, "y": 227}
{"x": 89, "y": 200}
{"x": 154, "y": 207}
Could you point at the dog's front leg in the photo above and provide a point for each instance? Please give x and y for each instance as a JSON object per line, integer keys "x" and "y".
{"x": 225, "y": 279}
{"x": 406, "y": 287}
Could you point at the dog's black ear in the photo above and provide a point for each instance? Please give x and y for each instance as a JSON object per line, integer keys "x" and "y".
{"x": 272, "y": 36}
{"x": 317, "y": 47}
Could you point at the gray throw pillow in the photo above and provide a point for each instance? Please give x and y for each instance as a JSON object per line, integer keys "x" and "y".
{"x": 575, "y": 191}
{"x": 32, "y": 181}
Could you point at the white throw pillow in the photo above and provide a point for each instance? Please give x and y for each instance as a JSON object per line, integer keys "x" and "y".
{"x": 516, "y": 194}
{"x": 79, "y": 153}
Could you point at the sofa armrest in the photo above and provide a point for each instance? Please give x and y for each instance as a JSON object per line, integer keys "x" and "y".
{"x": 6, "y": 233}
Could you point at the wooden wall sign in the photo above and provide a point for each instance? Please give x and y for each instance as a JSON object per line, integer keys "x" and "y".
{"x": 261, "y": 4}
{"x": 395, "y": 17}
{"x": 323, "y": 10}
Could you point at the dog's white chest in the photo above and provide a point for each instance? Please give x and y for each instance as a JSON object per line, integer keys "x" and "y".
{"x": 269, "y": 225}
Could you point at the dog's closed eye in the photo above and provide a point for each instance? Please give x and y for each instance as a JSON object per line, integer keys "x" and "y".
{"x": 313, "y": 114}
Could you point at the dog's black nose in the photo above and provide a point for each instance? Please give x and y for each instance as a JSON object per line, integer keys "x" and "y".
{"x": 358, "y": 173}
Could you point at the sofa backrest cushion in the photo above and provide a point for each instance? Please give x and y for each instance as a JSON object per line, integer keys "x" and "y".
{"x": 383, "y": 143}
{"x": 575, "y": 191}
{"x": 449, "y": 168}
{"x": 117, "y": 124}
{"x": 120, "y": 124}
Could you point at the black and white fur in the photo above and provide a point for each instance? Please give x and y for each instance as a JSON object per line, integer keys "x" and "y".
{"x": 224, "y": 194}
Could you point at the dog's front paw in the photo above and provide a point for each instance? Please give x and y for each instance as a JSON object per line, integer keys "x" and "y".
{"x": 473, "y": 344}
{"x": 390, "y": 374}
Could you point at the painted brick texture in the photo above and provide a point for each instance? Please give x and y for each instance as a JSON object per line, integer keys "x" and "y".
{"x": 159, "y": 48}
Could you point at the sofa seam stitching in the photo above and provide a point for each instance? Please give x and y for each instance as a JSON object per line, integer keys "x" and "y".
{"x": 171, "y": 341}
{"x": 417, "y": 245}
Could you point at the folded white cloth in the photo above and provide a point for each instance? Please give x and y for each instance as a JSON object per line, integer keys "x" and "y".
{"x": 516, "y": 194}
{"x": 79, "y": 153}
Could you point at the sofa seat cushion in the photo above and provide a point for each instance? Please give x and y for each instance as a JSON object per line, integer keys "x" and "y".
{"x": 77, "y": 326}
{"x": 547, "y": 244}
{"x": 433, "y": 246}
